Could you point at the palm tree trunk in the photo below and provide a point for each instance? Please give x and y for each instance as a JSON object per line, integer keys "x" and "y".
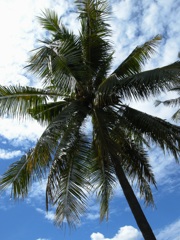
{"x": 139, "y": 216}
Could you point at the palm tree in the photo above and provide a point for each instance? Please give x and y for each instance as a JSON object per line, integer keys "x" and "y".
{"x": 79, "y": 88}
{"x": 175, "y": 102}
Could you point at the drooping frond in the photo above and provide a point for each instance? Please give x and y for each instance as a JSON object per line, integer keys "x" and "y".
{"x": 16, "y": 100}
{"x": 102, "y": 170}
{"x": 17, "y": 177}
{"x": 134, "y": 62}
{"x": 160, "y": 132}
{"x": 68, "y": 184}
{"x": 43, "y": 153}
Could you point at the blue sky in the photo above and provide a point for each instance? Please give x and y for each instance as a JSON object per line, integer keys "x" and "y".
{"x": 133, "y": 22}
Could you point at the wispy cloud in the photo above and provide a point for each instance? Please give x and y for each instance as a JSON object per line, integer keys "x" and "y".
{"x": 7, "y": 154}
{"x": 170, "y": 232}
{"x": 48, "y": 215}
{"x": 43, "y": 239}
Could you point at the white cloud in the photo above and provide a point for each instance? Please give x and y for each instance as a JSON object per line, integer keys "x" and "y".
{"x": 12, "y": 129}
{"x": 171, "y": 232}
{"x": 92, "y": 216}
{"x": 124, "y": 233}
{"x": 7, "y": 154}
{"x": 42, "y": 239}
{"x": 48, "y": 215}
{"x": 37, "y": 191}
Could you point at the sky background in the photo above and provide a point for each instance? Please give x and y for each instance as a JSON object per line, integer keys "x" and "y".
{"x": 133, "y": 22}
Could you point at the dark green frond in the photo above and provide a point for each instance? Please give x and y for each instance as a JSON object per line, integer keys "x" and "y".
{"x": 16, "y": 170}
{"x": 134, "y": 62}
{"x": 135, "y": 162}
{"x": 50, "y": 21}
{"x": 97, "y": 52}
{"x": 106, "y": 95}
{"x": 103, "y": 175}
{"x": 68, "y": 184}
{"x": 45, "y": 113}
{"x": 152, "y": 82}
{"x": 17, "y": 177}
{"x": 162, "y": 133}
{"x": 16, "y": 100}
{"x": 55, "y": 65}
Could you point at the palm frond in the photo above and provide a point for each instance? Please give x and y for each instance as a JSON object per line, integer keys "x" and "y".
{"x": 53, "y": 68}
{"x": 45, "y": 113}
{"x": 134, "y": 62}
{"x": 152, "y": 82}
{"x": 68, "y": 184}
{"x": 102, "y": 170}
{"x": 59, "y": 60}
{"x": 17, "y": 177}
{"x": 95, "y": 29}
{"x": 105, "y": 94}
{"x": 142, "y": 85}
{"x": 50, "y": 21}
{"x": 156, "y": 130}
{"x": 16, "y": 100}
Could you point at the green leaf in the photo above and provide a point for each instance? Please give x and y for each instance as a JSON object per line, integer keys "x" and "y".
{"x": 163, "y": 134}
{"x": 134, "y": 62}
{"x": 68, "y": 184}
{"x": 16, "y": 100}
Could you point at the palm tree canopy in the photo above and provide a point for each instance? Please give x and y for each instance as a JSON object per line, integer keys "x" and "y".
{"x": 78, "y": 85}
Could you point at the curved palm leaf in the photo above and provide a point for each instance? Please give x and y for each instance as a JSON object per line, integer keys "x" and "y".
{"x": 68, "y": 184}
{"x": 16, "y": 100}
{"x": 134, "y": 62}
{"x": 142, "y": 85}
{"x": 152, "y": 82}
{"x": 56, "y": 63}
{"x": 162, "y": 133}
{"x": 17, "y": 177}
{"x": 102, "y": 170}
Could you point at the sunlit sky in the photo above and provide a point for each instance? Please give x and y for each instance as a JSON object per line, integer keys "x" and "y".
{"x": 133, "y": 22}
